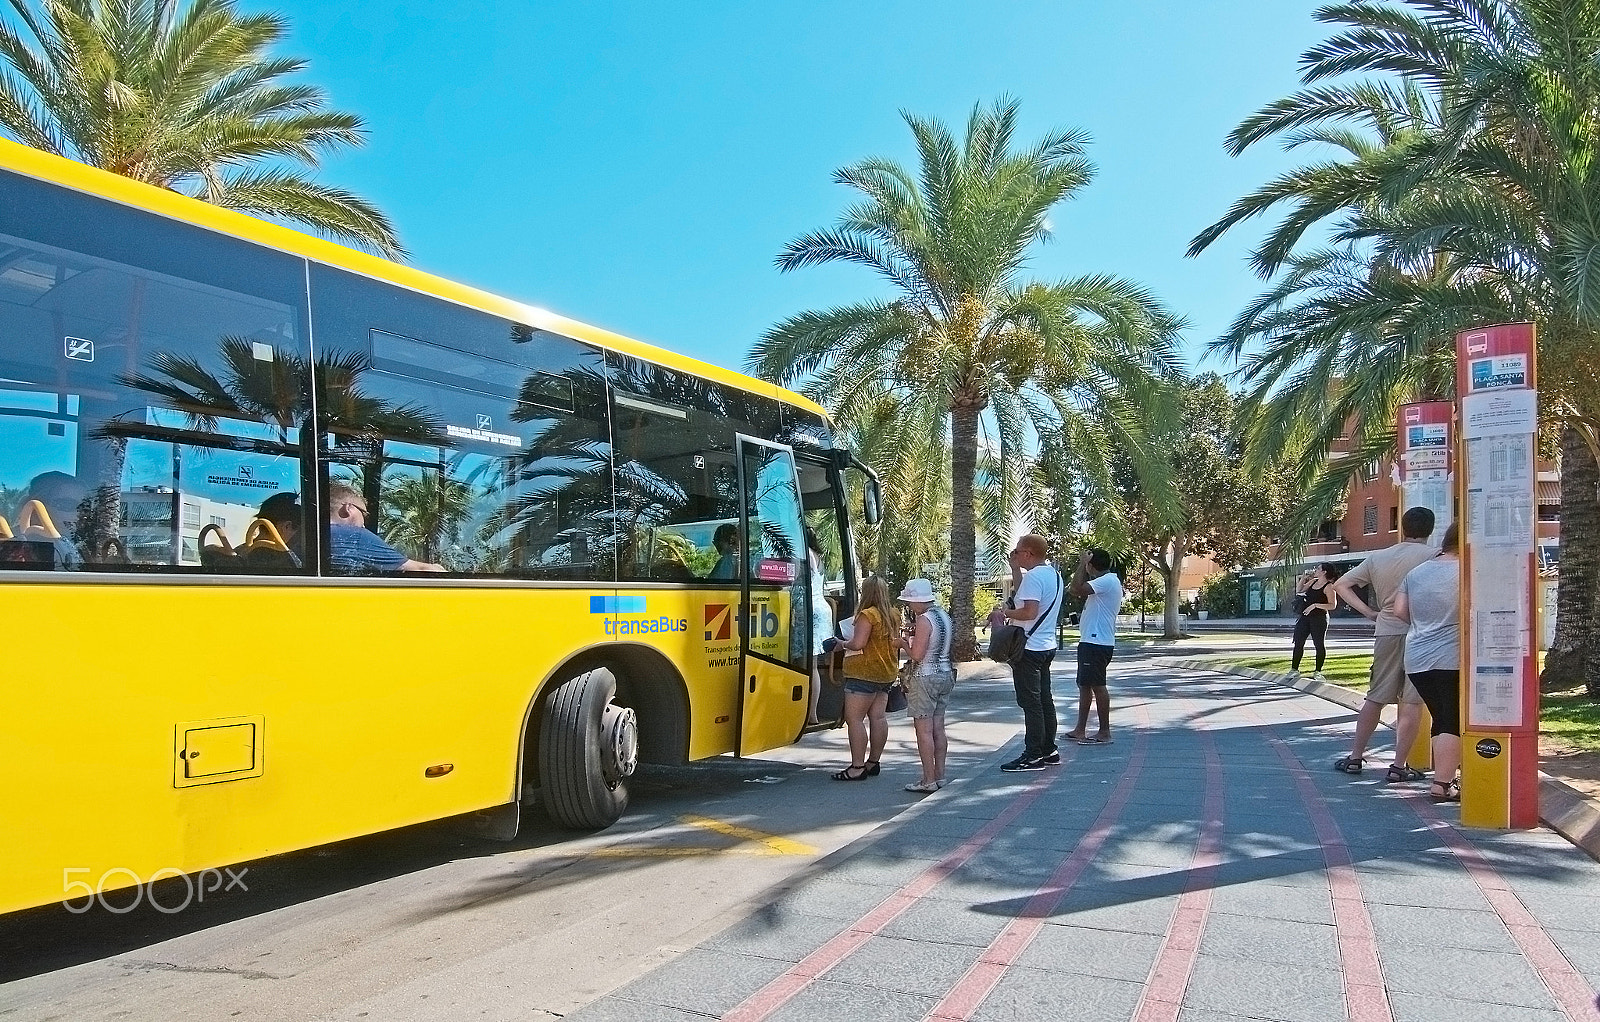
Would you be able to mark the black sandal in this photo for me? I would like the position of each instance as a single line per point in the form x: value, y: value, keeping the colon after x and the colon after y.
x: 1444, y: 791
x: 873, y: 767
x: 1403, y: 773
x: 1348, y: 765
x: 846, y: 775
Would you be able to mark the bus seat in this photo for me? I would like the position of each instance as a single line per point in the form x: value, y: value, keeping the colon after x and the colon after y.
x: 34, y: 522
x: 35, y: 543
x: 263, y: 533
x: 5, y: 529
x: 265, y: 551
x: 218, y: 556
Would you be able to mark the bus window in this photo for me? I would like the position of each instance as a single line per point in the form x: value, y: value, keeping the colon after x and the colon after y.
x: 777, y: 556
x: 481, y: 445
x: 150, y: 388
x: 822, y: 515
x: 677, y: 475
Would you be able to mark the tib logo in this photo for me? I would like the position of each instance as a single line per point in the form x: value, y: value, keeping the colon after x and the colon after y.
x: 720, y: 618
x: 719, y: 621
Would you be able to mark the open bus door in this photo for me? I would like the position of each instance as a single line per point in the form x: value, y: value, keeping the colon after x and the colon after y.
x: 775, y: 628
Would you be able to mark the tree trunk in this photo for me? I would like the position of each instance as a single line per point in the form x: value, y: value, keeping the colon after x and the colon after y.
x: 104, y: 519
x: 963, y: 530
x: 1171, y: 574
x: 1569, y: 660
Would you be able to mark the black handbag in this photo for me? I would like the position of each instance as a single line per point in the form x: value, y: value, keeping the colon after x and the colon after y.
x: 897, y: 698
x: 1007, y: 642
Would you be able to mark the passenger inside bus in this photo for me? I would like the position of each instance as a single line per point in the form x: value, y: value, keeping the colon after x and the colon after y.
x: 726, y: 540
x: 284, y: 512
x: 263, y: 551
x: 353, y: 549
x: 61, y: 496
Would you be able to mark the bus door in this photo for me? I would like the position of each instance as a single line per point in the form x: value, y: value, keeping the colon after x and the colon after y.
x: 775, y: 627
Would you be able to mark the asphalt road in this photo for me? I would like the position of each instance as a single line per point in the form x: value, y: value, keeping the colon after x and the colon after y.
x: 428, y: 923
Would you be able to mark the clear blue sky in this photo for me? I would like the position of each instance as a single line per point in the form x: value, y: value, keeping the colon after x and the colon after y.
x: 638, y: 165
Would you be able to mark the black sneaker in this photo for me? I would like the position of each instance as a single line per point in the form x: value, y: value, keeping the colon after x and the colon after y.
x: 1023, y: 763
x: 1052, y: 759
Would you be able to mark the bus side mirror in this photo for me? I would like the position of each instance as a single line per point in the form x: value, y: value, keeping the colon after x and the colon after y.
x: 872, y: 509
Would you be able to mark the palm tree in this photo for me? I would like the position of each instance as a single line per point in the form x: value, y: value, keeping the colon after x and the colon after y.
x: 189, y: 101
x: 1344, y: 334
x: 911, y: 457
x: 423, y: 514
x: 966, y: 336
x: 1484, y: 214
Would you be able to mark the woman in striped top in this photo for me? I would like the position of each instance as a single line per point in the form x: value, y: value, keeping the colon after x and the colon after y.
x: 932, y: 679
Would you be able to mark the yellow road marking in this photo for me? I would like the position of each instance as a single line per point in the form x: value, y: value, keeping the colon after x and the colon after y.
x: 635, y: 852
x: 779, y: 845
x: 757, y: 843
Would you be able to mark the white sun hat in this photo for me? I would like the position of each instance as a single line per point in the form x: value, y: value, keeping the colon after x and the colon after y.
x: 918, y: 590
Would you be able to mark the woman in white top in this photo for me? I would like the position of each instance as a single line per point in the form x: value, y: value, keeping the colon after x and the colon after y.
x: 1427, y: 602
x: 931, y: 681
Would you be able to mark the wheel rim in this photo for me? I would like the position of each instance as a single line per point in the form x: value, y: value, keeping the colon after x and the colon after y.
x: 619, y: 743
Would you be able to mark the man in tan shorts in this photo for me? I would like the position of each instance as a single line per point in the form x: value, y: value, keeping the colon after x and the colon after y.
x: 1382, y: 573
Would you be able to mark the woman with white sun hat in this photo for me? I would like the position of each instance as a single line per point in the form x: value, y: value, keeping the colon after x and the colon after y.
x: 932, y: 677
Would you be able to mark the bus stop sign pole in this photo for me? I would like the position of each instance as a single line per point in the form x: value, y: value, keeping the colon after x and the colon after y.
x: 1425, y: 437
x: 1498, y: 416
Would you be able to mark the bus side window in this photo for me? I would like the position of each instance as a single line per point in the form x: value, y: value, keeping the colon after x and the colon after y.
x: 479, y: 444
x: 677, y: 473
x: 154, y: 378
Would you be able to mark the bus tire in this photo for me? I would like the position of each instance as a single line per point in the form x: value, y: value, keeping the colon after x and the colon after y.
x: 588, y: 747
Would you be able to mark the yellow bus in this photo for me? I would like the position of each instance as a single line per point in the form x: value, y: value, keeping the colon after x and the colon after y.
x: 297, y: 544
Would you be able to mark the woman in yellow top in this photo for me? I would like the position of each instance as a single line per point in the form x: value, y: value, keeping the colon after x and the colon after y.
x: 867, y: 677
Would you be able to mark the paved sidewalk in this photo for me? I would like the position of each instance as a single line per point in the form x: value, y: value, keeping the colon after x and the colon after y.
x: 1208, y: 866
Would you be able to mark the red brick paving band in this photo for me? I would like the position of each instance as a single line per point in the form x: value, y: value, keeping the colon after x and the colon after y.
x: 1571, y: 991
x: 969, y: 992
x: 781, y: 990
x: 1365, y: 997
x: 1169, y: 976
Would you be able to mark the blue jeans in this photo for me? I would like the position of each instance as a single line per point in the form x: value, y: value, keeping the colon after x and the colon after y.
x: 1030, y: 675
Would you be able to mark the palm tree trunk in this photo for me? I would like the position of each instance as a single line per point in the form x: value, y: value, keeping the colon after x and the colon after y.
x: 963, y: 530
x: 1568, y: 662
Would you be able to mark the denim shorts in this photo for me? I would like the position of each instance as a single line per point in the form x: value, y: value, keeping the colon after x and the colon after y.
x: 866, y: 688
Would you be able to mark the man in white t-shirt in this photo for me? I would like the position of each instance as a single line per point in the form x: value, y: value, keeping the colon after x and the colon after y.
x: 1102, y: 592
x: 1035, y: 605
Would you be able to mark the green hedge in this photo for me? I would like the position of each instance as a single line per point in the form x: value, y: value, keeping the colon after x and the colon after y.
x: 1223, y: 596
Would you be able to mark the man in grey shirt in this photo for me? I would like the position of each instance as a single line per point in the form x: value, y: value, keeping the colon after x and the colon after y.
x: 1382, y: 573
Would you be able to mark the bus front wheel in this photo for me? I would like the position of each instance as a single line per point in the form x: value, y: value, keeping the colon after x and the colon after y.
x: 588, y: 747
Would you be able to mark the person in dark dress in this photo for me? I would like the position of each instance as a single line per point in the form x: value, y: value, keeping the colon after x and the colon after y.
x: 1313, y: 599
